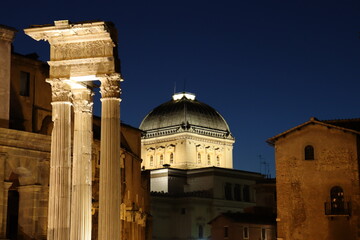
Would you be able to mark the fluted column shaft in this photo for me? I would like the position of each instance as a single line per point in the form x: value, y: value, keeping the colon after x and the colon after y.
x: 60, y: 163
x: 81, y: 168
x: 110, y: 180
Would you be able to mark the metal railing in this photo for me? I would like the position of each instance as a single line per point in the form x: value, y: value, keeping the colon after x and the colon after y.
x: 337, y: 209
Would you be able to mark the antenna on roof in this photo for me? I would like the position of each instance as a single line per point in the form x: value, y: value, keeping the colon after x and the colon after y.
x: 264, y: 167
x: 174, y: 87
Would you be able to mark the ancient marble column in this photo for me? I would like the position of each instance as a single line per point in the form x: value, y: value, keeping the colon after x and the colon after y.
x: 81, y: 171
x: 110, y: 180
x: 60, y: 163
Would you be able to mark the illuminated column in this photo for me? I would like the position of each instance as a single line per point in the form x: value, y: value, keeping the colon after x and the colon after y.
x: 60, y: 163
x: 81, y: 171
x: 110, y: 181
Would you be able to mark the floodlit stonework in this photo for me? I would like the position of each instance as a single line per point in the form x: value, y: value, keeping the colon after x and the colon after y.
x: 187, y: 145
x: 67, y: 186
x: 185, y: 133
x: 81, y: 53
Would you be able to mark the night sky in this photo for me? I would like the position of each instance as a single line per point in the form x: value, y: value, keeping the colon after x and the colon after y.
x: 266, y: 66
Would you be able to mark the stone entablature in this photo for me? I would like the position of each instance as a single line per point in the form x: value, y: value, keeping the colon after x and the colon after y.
x: 82, y: 49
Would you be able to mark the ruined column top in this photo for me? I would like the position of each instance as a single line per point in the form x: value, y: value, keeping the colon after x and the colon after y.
x: 63, y: 31
x: 7, y: 33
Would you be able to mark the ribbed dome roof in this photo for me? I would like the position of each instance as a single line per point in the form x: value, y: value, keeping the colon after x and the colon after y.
x: 182, y: 110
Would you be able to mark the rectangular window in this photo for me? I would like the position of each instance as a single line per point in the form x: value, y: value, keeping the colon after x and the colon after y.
x: 246, y: 232
x: 246, y: 193
x: 237, y: 192
x: 228, y: 191
x: 24, y: 84
x: 226, y: 232
x: 263, y: 234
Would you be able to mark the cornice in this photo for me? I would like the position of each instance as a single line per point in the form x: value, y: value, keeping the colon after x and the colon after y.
x: 189, y: 129
x: 187, y: 136
x: 65, y: 32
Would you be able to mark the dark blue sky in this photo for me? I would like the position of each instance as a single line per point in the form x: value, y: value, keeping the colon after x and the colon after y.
x: 266, y: 66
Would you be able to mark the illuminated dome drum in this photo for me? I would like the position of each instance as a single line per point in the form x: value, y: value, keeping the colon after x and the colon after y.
x: 185, y: 133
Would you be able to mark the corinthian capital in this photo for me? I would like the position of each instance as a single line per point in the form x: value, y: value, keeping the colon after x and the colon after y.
x: 60, y: 90
x: 82, y: 100
x: 7, y: 33
x: 110, y: 85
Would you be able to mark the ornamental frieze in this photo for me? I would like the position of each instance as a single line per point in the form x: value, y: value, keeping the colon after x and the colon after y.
x: 76, y: 50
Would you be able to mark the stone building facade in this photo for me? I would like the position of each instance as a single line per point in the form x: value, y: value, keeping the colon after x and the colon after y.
x: 187, y: 145
x: 25, y: 153
x: 317, y: 169
x: 243, y: 226
x: 186, y: 133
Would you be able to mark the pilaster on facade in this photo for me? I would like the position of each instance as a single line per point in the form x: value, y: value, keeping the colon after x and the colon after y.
x: 4, y: 191
x: 7, y: 35
x: 29, y: 197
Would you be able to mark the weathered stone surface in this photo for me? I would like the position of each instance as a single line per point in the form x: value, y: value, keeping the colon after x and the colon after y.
x: 303, y: 186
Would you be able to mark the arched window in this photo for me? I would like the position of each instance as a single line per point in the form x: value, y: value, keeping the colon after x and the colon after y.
x: 209, y: 159
x: 337, y: 200
x: 217, y: 161
x: 151, y: 160
x: 161, y: 159
x: 309, y: 152
x: 171, y: 158
x: 199, y: 158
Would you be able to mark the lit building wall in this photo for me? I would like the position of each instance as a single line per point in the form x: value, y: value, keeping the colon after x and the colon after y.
x: 306, y: 206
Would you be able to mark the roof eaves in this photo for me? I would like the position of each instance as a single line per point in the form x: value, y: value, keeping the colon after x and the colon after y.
x: 312, y: 120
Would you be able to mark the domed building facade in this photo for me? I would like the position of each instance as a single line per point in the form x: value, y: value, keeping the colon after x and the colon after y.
x: 187, y: 147
x: 185, y: 133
